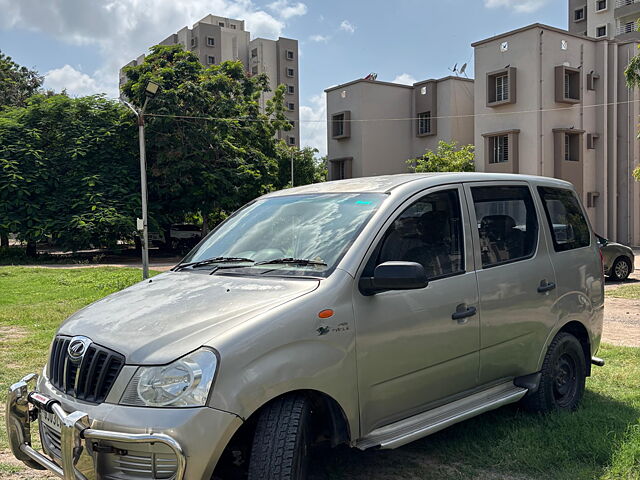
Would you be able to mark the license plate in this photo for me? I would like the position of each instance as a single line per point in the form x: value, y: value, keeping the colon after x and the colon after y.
x: 50, y: 419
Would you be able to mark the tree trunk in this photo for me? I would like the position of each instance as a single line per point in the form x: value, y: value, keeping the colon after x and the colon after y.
x: 4, y: 240
x: 205, y: 225
x: 32, y: 251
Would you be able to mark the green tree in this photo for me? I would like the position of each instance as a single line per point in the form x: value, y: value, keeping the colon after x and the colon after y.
x: 447, y: 158
x: 306, y: 167
x: 17, y: 83
x: 632, y: 74
x: 213, y: 165
x: 68, y: 171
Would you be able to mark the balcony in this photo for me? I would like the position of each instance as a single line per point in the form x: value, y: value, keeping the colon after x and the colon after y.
x: 628, y: 27
x: 626, y: 7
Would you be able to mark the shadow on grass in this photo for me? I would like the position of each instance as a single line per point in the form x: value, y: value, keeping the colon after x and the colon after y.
x: 508, y: 443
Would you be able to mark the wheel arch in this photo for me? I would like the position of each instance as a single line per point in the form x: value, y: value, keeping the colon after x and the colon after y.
x: 578, y: 330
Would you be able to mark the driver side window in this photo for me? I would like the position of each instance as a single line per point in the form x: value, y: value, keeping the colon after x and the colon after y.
x: 428, y: 232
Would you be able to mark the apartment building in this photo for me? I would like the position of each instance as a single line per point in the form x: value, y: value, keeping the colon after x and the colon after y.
x: 217, y: 39
x: 374, y: 127
x: 577, y: 120
x: 605, y: 18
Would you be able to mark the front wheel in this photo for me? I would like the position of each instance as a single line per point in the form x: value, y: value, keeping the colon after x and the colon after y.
x: 563, y: 377
x: 281, y: 441
x: 621, y: 268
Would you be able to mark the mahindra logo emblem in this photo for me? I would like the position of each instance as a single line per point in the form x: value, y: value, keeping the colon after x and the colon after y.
x: 77, y: 348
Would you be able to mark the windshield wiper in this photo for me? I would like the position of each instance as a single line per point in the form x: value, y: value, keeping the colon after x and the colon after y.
x: 293, y: 261
x: 210, y: 261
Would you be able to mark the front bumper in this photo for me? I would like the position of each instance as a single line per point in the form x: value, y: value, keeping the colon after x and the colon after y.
x: 113, y: 442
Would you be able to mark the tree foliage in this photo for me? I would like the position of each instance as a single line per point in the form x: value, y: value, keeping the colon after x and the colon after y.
x: 17, y: 83
x: 306, y: 167
x: 68, y: 171
x: 632, y: 74
x: 197, y: 165
x: 447, y: 158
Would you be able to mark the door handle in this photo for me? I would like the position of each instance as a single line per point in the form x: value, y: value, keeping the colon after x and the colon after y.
x: 462, y: 311
x: 546, y: 286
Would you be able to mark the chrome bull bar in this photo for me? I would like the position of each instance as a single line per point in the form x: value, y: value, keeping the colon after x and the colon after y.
x: 75, y: 434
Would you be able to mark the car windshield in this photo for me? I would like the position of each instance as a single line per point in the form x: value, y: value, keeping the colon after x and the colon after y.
x: 289, y: 235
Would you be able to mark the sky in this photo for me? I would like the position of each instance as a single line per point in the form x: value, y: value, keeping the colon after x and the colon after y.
x: 81, y: 44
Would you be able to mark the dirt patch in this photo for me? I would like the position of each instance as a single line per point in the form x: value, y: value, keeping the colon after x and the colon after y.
x: 12, y: 333
x: 621, y: 322
x: 12, y: 469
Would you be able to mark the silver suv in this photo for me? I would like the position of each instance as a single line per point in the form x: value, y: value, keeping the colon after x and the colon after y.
x: 370, y: 312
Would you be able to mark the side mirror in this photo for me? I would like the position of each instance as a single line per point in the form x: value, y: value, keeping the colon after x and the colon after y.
x: 394, y: 276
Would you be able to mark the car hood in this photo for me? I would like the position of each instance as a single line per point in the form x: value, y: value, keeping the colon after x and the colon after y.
x: 157, y: 321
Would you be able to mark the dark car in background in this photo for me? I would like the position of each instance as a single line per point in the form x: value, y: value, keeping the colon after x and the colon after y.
x: 617, y: 259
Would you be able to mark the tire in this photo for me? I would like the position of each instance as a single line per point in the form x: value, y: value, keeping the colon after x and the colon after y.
x: 563, y: 377
x: 281, y: 441
x: 621, y: 268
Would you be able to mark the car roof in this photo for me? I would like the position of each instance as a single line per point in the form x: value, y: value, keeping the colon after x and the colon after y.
x: 386, y: 183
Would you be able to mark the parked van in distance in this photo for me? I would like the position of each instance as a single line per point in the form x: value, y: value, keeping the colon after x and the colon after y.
x: 369, y: 312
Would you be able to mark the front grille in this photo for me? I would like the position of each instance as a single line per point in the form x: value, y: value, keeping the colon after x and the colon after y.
x: 89, y: 380
x: 51, y: 439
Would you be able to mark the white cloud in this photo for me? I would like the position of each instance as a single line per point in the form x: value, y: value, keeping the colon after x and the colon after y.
x: 520, y: 6
x: 124, y: 29
x: 405, y: 79
x: 319, y: 38
x: 313, y: 123
x: 75, y: 82
x: 286, y: 10
x: 347, y: 26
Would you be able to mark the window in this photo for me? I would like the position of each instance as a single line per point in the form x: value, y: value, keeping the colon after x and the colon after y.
x: 211, y: 60
x: 568, y: 226
x: 501, y: 87
x: 254, y: 52
x: 221, y: 24
x: 507, y: 224
x: 601, y: 5
x: 290, y: 55
x: 429, y: 232
x: 232, y: 26
x: 292, y: 140
x: 194, y: 41
x: 291, y: 89
x: 572, y: 148
x: 423, y: 90
x: 568, y: 84
x: 499, y: 149
x: 291, y: 106
x: 211, y: 41
x: 254, y: 70
x: 601, y: 31
x: 290, y: 72
x: 293, y: 123
x: 578, y: 14
x: 340, y: 168
x: 592, y: 140
x: 424, y: 123
x: 341, y: 125
x: 628, y: 27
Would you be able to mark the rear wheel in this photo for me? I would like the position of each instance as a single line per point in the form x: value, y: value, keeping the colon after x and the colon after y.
x: 281, y: 441
x: 563, y: 377
x: 621, y: 268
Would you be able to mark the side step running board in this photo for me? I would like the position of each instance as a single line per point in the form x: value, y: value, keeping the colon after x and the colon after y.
x: 426, y: 423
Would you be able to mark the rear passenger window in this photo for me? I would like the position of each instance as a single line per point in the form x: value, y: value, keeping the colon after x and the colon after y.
x: 507, y: 224
x: 569, y: 228
x: 429, y: 232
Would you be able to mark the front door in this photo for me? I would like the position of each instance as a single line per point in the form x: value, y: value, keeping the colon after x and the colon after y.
x: 411, y: 352
x: 516, y: 279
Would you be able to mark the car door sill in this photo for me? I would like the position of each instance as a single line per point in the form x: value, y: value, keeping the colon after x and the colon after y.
x: 431, y: 421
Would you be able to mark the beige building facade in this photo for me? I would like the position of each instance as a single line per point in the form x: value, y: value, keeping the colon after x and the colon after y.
x: 577, y: 120
x: 217, y: 39
x: 374, y: 127
x: 605, y: 18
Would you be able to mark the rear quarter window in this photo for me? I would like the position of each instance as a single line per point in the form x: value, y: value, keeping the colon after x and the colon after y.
x: 569, y: 228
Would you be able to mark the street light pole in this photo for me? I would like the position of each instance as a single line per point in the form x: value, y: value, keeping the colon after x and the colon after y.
x: 292, y: 167
x: 151, y: 90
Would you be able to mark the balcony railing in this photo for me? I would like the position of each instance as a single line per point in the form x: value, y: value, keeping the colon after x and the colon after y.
x: 627, y: 27
x: 622, y: 3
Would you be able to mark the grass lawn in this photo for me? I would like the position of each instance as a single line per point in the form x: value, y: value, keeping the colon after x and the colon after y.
x: 600, y: 441
x: 629, y: 291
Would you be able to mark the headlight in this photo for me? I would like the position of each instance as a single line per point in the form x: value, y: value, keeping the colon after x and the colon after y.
x: 183, y: 383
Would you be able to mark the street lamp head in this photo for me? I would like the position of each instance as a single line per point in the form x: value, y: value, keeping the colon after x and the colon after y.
x: 152, y: 89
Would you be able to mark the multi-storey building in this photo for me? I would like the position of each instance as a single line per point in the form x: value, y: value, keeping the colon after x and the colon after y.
x: 605, y: 18
x: 375, y: 127
x: 577, y: 120
x: 217, y: 39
